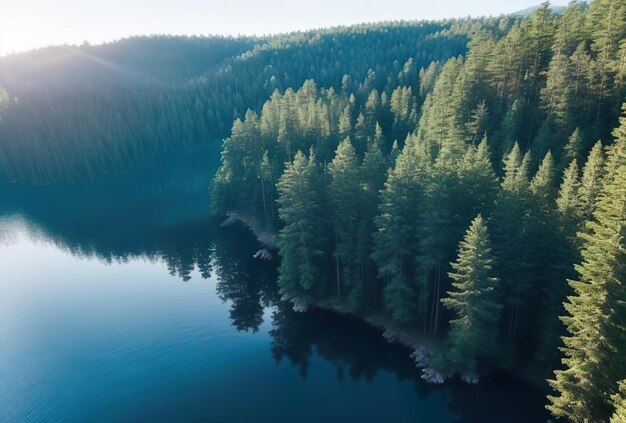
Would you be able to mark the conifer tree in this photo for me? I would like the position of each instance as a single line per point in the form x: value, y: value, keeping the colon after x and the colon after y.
x: 568, y: 201
x: 403, y: 108
x: 596, y: 342
x: 561, y: 91
x: 301, y: 240
x: 619, y: 400
x: 505, y: 136
x: 427, y: 78
x: 544, y: 141
x: 395, y: 241
x: 477, y: 126
x: 606, y: 21
x: 440, y: 119
x: 346, y: 199
x: 475, y: 302
x: 573, y: 149
x: 373, y: 172
x: 267, y: 189
x: 591, y: 181
x: 345, y: 122
x: 394, y: 153
x: 511, y: 235
x: 549, y: 259
x: 478, y: 186
x: 361, y: 133
x: 435, y: 232
x: 543, y: 183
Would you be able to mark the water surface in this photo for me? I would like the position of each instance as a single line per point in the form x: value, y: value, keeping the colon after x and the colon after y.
x: 121, y: 300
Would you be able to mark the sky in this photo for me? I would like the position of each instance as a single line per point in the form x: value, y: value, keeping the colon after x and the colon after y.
x: 27, y: 24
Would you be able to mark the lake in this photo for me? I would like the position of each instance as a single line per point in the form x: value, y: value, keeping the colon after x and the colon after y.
x: 122, y: 300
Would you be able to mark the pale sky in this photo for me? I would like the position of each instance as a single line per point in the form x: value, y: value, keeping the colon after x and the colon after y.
x: 27, y: 24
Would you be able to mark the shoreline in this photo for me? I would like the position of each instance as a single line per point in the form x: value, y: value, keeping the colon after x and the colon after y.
x: 405, y: 335
x: 265, y: 237
x: 422, y: 346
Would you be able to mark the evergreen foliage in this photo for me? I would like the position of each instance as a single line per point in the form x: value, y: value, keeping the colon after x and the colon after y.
x: 474, y: 301
x: 302, y: 241
x: 596, y: 314
x: 513, y: 130
x: 619, y: 416
x: 370, y: 150
x: 80, y: 112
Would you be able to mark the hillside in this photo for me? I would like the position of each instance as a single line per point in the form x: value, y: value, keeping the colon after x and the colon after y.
x: 80, y: 112
x: 131, y: 61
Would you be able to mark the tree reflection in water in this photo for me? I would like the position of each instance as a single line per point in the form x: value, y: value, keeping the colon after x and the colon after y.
x: 199, y: 247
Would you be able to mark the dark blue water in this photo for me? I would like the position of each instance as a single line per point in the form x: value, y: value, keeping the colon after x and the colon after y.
x: 121, y: 300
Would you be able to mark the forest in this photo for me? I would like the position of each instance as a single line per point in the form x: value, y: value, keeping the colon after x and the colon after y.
x: 466, y: 178
x: 74, y: 113
x: 479, y: 199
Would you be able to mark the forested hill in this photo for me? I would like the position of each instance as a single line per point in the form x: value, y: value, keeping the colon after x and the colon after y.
x: 138, y: 60
x: 480, y: 201
x: 77, y: 113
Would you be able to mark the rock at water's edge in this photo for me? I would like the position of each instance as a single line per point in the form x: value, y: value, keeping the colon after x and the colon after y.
x: 422, y: 357
x: 433, y: 376
x: 471, y: 378
x: 263, y: 254
x: 390, y: 335
x: 300, y: 305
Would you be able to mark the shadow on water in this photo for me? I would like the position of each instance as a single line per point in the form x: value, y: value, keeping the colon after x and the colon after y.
x: 162, y: 213
x: 358, y: 352
x: 158, y: 213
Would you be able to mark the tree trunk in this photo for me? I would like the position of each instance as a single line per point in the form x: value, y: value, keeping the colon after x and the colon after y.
x: 432, y: 307
x: 436, y: 323
x: 264, y: 202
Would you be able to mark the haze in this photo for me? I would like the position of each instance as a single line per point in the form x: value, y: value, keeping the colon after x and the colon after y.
x: 28, y: 24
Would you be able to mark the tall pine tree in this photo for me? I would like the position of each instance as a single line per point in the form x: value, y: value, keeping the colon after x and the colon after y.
x: 596, y: 343
x: 475, y: 301
x: 301, y: 240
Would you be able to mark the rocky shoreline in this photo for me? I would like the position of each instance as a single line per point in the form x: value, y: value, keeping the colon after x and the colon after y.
x: 423, y: 348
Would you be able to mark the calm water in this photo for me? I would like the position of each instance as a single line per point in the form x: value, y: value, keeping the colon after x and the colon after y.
x: 120, y: 300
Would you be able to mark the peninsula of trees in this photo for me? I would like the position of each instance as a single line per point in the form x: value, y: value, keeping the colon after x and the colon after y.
x: 480, y: 198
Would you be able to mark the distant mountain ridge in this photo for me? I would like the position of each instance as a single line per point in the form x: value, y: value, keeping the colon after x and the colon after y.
x: 529, y: 10
x: 136, y: 60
